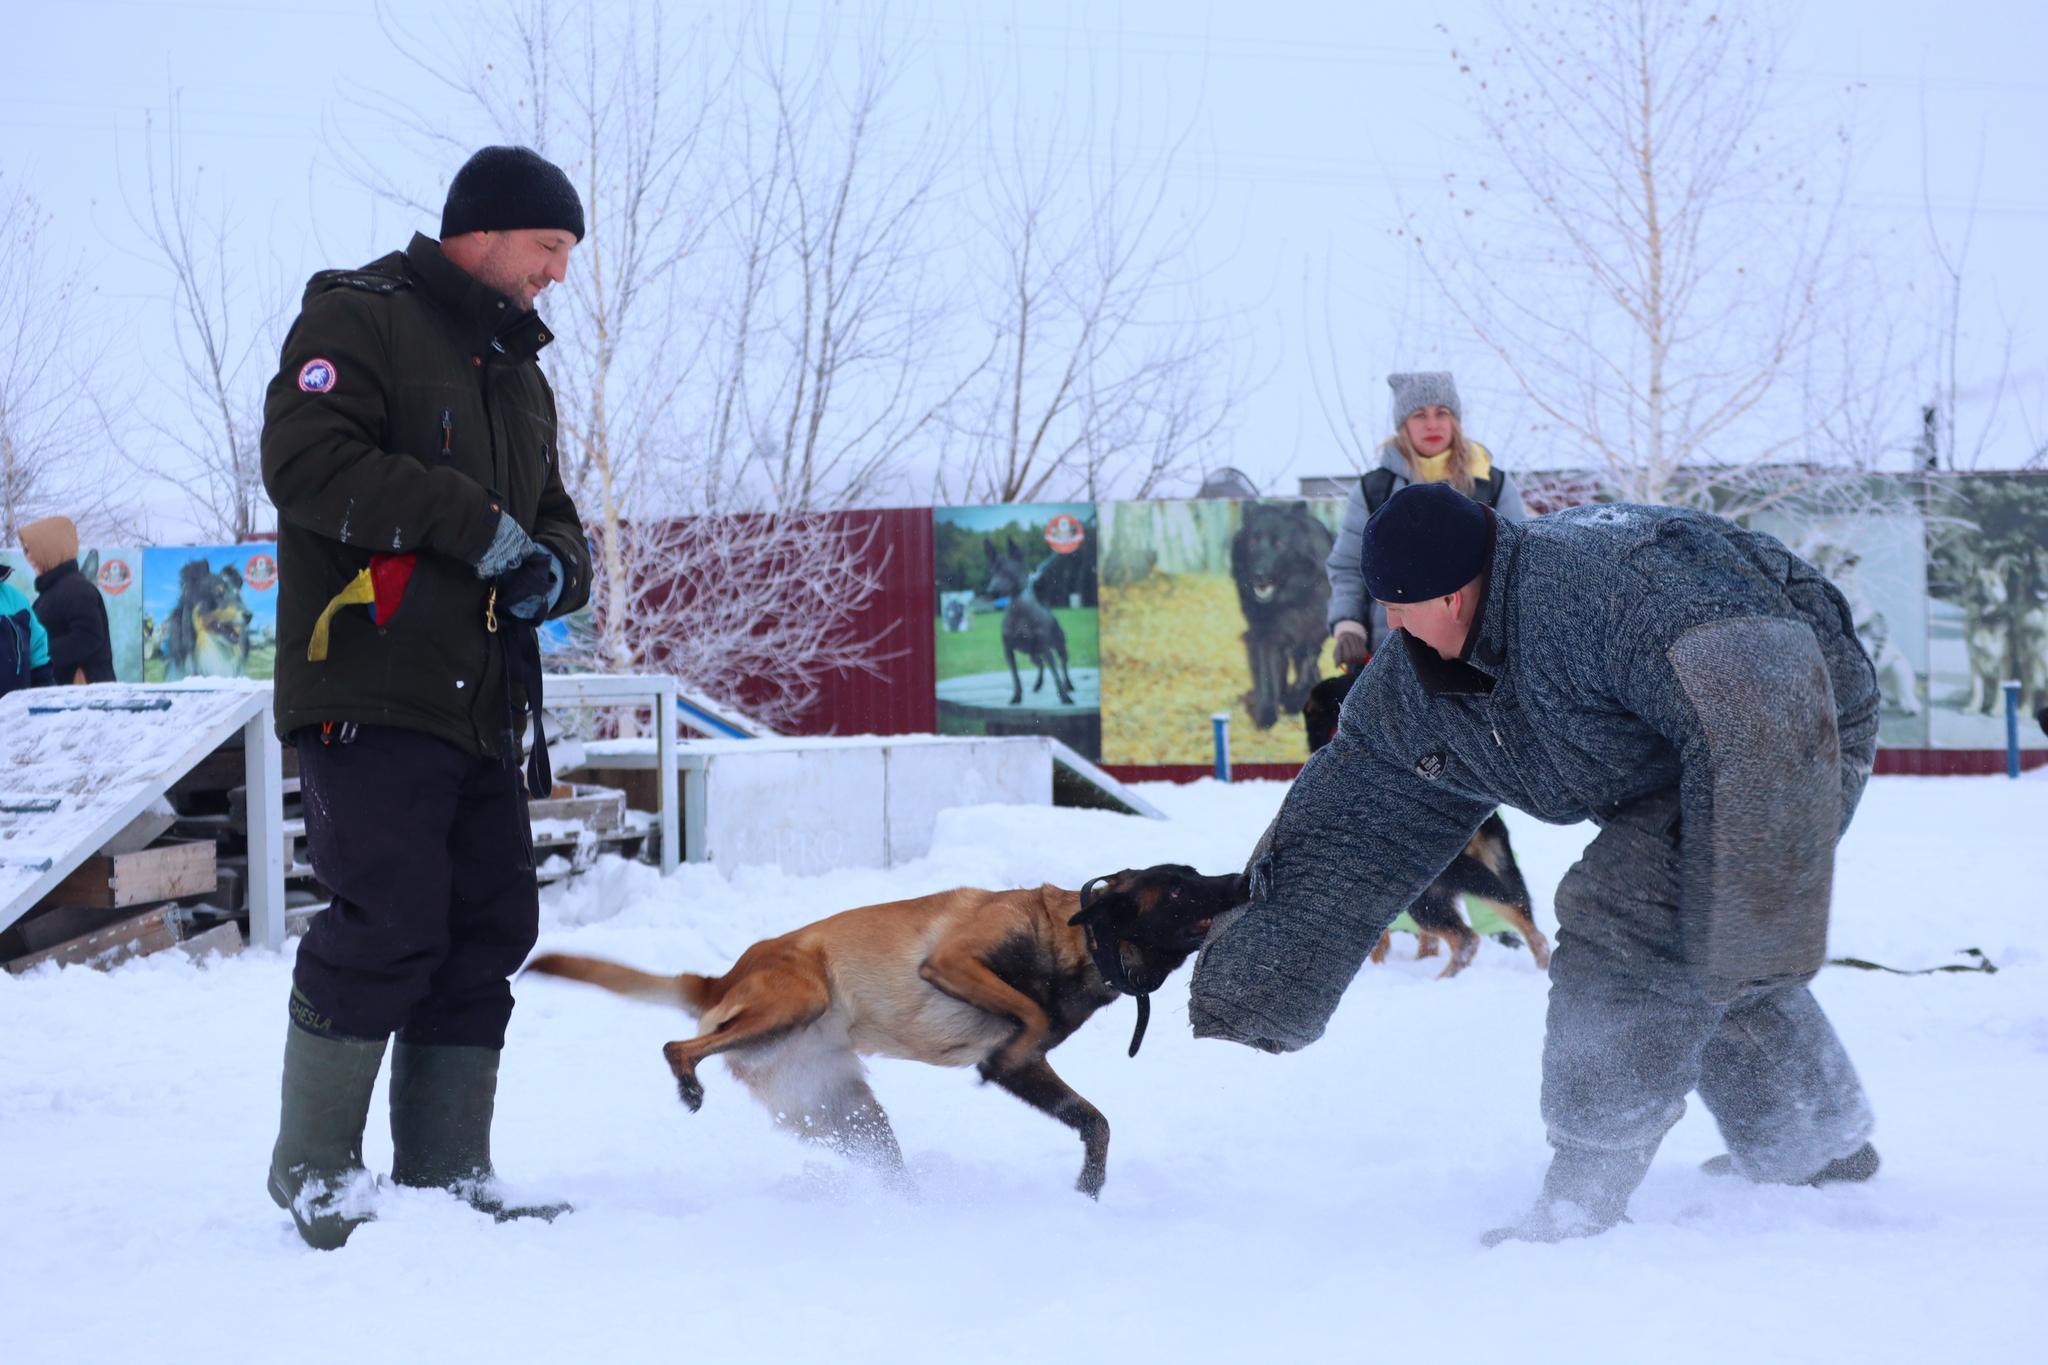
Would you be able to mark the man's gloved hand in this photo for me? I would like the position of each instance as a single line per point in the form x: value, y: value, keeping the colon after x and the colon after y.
x: 1354, y: 646
x: 510, y: 545
x: 531, y: 590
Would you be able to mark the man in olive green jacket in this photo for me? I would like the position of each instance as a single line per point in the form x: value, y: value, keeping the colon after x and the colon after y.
x: 409, y: 443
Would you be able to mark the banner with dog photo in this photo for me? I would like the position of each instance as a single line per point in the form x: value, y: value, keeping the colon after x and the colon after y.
x: 1869, y: 537
x: 1213, y: 606
x: 1016, y: 644
x: 209, y: 611
x: 116, y: 570
x: 1987, y: 571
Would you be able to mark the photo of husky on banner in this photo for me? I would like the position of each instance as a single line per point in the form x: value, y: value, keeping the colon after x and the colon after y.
x: 1016, y: 628
x: 1987, y: 585
x: 1210, y: 606
x: 1869, y: 538
x: 209, y: 612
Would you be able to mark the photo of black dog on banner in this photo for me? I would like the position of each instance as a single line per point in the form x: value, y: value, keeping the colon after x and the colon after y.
x: 1277, y: 559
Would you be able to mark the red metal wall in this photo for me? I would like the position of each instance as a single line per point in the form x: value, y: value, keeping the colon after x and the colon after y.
x: 903, y: 699
x: 1954, y: 762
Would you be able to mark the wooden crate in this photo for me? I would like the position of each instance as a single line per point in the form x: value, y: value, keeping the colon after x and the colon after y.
x: 601, y: 809
x: 225, y: 768
x: 163, y: 871
x: 152, y: 931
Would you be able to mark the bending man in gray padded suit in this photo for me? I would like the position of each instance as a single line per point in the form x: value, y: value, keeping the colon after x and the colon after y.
x: 1695, y: 689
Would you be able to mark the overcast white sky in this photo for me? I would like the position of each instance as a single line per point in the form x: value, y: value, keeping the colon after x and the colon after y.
x: 1316, y: 117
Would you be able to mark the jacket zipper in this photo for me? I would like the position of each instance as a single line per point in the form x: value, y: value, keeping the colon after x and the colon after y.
x: 483, y: 379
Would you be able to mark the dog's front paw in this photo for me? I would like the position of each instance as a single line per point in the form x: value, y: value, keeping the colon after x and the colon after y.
x: 1091, y: 1180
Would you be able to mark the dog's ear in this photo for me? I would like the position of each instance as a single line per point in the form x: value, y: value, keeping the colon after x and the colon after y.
x: 1099, y: 896
x: 232, y: 575
x: 194, y: 572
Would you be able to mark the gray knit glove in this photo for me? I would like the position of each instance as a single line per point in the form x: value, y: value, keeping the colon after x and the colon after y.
x: 531, y: 590
x: 509, y: 547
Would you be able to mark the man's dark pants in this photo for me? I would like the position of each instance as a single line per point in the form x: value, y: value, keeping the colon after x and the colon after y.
x: 429, y: 855
x: 1630, y: 1033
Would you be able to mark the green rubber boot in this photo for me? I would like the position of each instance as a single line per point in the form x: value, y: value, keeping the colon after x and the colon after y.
x: 316, y: 1168
x: 442, y: 1100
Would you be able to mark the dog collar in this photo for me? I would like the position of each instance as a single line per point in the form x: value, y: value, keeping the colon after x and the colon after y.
x: 1109, y: 961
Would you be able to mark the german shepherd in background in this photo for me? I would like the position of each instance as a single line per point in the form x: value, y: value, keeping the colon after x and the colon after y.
x: 1485, y: 869
x: 990, y: 979
x: 1277, y: 559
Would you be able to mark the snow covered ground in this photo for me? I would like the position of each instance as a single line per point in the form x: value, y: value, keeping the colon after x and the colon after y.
x: 1325, y: 1205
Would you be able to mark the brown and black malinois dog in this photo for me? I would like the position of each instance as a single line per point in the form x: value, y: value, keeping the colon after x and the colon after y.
x: 1485, y: 869
x: 991, y: 979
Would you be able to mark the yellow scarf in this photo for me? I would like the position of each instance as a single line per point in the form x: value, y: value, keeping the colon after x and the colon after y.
x: 1437, y: 468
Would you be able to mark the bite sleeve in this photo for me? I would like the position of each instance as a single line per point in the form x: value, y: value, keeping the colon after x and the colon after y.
x: 1357, y: 840
x: 1749, y: 705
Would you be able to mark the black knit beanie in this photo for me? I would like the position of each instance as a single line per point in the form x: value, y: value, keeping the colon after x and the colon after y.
x: 502, y: 188
x: 1428, y: 540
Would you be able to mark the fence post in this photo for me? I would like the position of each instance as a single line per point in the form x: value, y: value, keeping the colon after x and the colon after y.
x: 2012, y: 729
x: 262, y: 775
x: 1219, y: 721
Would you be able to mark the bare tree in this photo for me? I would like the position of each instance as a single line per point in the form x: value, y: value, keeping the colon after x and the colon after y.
x: 1651, y: 261
x: 649, y: 366
x: 226, y: 339
x: 619, y: 101
x: 52, y: 432
x: 1103, y: 373
x: 1944, y: 442
x: 754, y: 608
x: 832, y: 359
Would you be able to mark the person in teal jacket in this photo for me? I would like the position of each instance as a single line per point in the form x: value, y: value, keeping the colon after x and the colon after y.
x: 24, y: 645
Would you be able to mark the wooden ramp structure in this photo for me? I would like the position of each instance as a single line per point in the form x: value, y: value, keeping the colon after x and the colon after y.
x: 79, y: 764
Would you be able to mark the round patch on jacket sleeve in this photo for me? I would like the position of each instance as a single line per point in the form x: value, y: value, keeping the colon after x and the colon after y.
x: 317, y: 376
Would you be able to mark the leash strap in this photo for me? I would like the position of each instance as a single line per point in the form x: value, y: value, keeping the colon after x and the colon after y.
x: 522, y: 664
x: 1110, y: 962
x: 1982, y: 964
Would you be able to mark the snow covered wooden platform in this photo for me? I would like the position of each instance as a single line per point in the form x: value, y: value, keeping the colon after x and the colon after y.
x: 77, y: 764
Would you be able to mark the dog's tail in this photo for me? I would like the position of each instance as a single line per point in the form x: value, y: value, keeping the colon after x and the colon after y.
x: 685, y: 990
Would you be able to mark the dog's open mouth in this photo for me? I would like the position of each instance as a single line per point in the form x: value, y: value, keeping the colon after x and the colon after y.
x: 228, y: 632
x: 1263, y: 592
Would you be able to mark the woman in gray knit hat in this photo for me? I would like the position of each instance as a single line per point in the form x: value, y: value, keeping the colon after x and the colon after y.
x: 1428, y: 446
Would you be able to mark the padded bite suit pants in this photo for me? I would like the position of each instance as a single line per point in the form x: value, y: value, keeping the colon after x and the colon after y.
x: 429, y: 855
x: 1630, y: 1033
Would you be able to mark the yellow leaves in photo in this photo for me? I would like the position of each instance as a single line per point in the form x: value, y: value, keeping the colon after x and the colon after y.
x: 1172, y: 653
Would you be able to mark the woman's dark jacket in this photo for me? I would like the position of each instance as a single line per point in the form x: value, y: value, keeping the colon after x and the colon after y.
x: 75, y: 617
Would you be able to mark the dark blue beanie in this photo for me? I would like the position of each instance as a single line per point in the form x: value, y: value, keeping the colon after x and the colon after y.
x: 1428, y: 540
x: 503, y: 188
